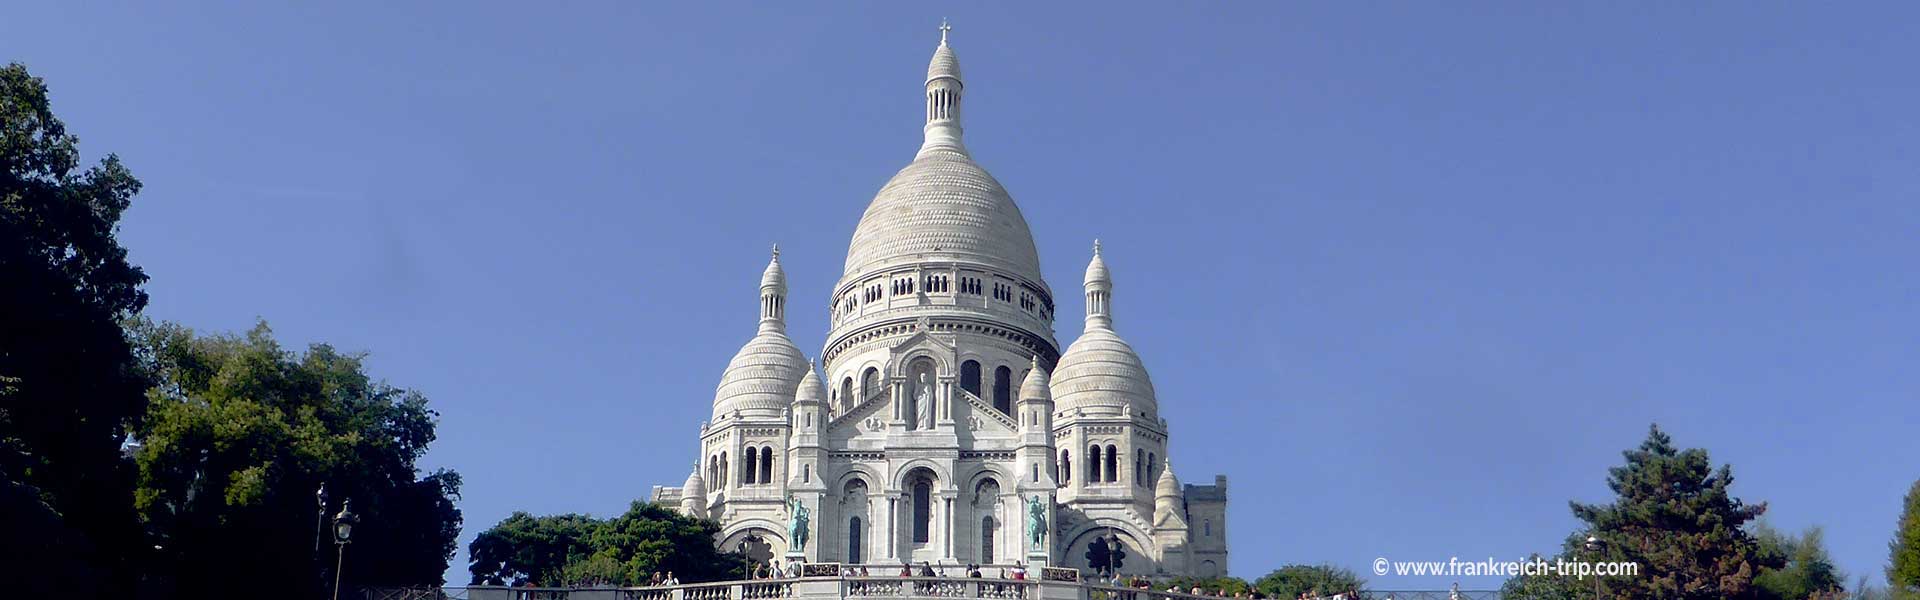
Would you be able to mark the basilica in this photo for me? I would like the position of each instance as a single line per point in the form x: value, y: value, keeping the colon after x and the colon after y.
x: 942, y: 422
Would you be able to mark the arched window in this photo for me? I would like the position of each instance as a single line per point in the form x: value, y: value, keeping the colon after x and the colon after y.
x: 723, y: 480
x: 1139, y: 466
x: 869, y: 384
x: 846, y: 394
x: 1153, y: 468
x: 753, y: 462
x: 922, y: 510
x: 1209, y: 527
x: 970, y: 376
x: 1066, y: 466
x: 713, y: 471
x: 1113, y: 464
x: 806, y: 473
x: 766, y: 464
x: 854, y: 532
x: 1093, y: 463
x: 1002, y: 392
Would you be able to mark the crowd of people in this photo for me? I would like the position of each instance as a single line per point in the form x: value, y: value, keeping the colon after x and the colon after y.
x: 778, y: 569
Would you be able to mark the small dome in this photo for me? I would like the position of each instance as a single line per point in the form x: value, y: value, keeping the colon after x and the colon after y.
x: 1097, y: 269
x: 774, y: 276
x: 1168, y: 486
x: 1101, y: 375
x: 1167, y: 501
x: 696, y: 486
x: 811, y: 389
x: 944, y: 64
x: 1035, y: 387
x: 761, y: 380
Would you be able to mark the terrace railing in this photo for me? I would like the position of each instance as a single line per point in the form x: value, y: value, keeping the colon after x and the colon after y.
x: 826, y: 582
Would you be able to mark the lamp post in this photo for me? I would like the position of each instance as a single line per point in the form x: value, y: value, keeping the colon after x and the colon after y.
x: 319, y: 518
x: 1595, y: 545
x: 342, y: 535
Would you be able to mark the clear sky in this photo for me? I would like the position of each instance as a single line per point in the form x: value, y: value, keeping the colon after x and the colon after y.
x: 1411, y: 274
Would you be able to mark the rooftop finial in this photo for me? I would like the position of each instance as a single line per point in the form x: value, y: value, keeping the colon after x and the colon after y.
x: 1096, y: 247
x: 776, y: 251
x: 944, y: 28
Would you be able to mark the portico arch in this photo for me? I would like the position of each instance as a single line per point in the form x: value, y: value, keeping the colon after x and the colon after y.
x: 754, y: 537
x: 1142, y: 556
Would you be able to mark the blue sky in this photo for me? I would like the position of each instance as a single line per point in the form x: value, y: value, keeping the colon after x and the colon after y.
x: 1412, y: 274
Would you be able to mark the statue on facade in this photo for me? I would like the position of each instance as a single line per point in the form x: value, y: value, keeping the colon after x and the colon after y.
x: 923, y: 401
x: 1036, y: 522
x: 797, y: 523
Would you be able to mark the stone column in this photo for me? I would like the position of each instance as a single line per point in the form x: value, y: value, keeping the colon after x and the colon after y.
x: 893, y: 523
x: 946, y: 502
x: 947, y: 397
x: 896, y: 389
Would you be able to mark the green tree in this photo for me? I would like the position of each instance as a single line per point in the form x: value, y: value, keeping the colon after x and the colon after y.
x: 69, y: 386
x: 1226, y: 585
x: 239, y: 433
x: 1903, y: 562
x: 524, y: 548
x: 1806, y: 569
x: 1675, y: 516
x: 1290, y: 580
x: 625, y: 550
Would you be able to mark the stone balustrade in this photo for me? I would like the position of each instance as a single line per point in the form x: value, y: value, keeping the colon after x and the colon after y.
x: 822, y: 582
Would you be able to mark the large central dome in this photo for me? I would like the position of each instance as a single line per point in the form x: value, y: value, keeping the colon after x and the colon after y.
x: 943, y: 207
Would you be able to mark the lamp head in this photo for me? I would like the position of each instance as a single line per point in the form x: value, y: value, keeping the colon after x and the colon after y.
x: 343, y: 523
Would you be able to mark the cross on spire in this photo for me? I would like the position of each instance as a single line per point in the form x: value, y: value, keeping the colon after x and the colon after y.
x: 776, y: 251
x: 944, y: 28
x: 1096, y: 247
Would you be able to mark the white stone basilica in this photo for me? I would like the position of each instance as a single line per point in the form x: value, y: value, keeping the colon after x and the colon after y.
x: 945, y: 407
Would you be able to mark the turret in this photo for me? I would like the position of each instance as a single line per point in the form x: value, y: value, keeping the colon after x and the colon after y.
x: 1035, y: 412
x: 809, y: 410
x: 773, y: 295
x: 693, y: 495
x: 943, y: 97
x: 1168, y: 512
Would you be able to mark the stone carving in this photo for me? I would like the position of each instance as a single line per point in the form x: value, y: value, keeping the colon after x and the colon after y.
x: 924, y: 402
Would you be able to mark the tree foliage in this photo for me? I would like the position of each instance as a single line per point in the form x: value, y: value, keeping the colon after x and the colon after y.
x: 1903, y: 561
x: 1227, y: 585
x: 1673, y: 515
x: 1319, y: 580
x: 1807, y: 571
x: 240, y: 433
x: 69, y: 389
x: 572, y: 549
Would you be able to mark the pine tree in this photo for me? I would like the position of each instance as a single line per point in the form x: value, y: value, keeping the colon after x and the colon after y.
x: 1675, y: 517
x: 1903, y: 562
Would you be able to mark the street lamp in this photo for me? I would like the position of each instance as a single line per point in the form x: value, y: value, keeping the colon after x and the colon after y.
x: 320, y: 518
x: 1595, y: 545
x: 342, y: 535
